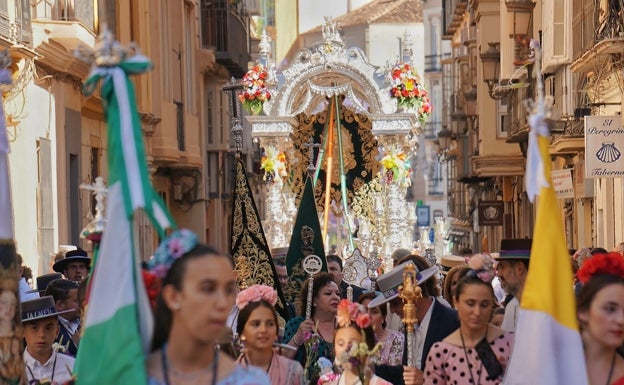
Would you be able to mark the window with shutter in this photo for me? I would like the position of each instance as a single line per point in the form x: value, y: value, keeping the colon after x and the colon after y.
x: 557, y: 19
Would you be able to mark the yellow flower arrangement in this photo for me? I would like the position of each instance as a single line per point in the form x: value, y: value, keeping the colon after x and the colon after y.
x: 397, y: 168
x: 274, y: 165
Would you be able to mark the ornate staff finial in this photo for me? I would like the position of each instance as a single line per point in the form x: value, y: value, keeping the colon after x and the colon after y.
x: 93, y: 231
x: 410, y: 292
x: 311, y: 146
x: 233, y: 88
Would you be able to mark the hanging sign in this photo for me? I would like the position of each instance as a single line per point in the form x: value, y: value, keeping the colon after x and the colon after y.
x: 491, y: 213
x: 604, y: 147
x: 562, y: 183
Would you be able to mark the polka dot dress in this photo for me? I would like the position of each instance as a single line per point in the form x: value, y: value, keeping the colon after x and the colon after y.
x: 446, y: 363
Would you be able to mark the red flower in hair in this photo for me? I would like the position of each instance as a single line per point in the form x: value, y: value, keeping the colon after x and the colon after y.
x: 601, y: 264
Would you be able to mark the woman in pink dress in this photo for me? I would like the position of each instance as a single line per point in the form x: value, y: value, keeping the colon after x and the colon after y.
x: 477, y: 352
x: 391, y: 352
x: 600, y: 311
x: 257, y: 328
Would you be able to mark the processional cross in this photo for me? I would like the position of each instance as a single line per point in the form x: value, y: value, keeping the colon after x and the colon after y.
x: 311, y: 146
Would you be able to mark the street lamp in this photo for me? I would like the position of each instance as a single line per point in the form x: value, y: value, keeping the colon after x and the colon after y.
x: 519, y: 14
x: 491, y: 66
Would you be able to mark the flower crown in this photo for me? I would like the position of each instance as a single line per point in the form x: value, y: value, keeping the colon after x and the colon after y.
x: 256, y: 293
x: 352, y: 312
x: 482, y: 267
x: 171, y: 248
x: 601, y: 264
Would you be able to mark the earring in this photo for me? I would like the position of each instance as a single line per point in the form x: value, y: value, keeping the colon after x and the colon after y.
x: 175, y: 306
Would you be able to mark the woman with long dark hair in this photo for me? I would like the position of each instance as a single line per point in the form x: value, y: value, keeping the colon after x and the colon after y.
x: 313, y: 338
x: 198, y: 292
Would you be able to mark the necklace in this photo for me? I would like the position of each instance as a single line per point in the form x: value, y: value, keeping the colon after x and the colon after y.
x: 250, y: 364
x: 214, y: 366
x: 611, y: 369
x: 54, y: 369
x: 468, y: 361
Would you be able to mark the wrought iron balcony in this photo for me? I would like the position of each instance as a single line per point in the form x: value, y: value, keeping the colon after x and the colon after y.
x: 225, y: 30
x: 81, y: 11
x: 595, y: 33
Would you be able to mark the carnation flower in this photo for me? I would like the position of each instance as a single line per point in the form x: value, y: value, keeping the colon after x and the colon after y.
x: 482, y: 266
x: 256, y: 293
x: 601, y: 264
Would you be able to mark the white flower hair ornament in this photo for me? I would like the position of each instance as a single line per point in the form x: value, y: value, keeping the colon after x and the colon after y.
x: 482, y: 267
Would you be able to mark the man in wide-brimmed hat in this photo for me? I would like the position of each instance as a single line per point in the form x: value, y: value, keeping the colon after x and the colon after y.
x: 435, y: 320
x: 75, y: 265
x: 512, y: 270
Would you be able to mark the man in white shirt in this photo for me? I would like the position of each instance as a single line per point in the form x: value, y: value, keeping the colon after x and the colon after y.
x: 39, y: 317
x: 512, y: 270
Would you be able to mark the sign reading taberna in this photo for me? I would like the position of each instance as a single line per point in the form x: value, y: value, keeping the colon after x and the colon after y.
x: 604, y: 147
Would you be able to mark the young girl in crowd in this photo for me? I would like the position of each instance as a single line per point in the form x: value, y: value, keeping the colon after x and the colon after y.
x: 477, y: 352
x: 391, y: 352
x: 198, y: 292
x: 354, y: 345
x: 600, y: 310
x: 257, y: 328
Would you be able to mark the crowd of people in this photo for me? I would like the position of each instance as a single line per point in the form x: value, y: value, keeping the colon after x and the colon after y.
x: 209, y: 331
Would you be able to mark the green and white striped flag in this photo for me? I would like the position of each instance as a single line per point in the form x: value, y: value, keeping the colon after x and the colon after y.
x: 118, y: 322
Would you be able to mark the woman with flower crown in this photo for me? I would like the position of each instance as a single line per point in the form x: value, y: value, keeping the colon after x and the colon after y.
x: 257, y: 328
x: 478, y: 351
x: 198, y: 292
x: 600, y: 311
x: 354, y: 346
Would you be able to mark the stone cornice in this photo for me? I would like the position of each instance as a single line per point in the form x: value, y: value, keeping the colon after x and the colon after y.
x: 498, y: 165
x: 44, y: 69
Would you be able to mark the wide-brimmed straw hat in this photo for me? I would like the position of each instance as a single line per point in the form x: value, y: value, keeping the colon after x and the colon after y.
x: 447, y: 262
x: 389, y: 283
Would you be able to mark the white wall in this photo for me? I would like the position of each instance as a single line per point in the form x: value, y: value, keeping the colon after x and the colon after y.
x: 24, y: 169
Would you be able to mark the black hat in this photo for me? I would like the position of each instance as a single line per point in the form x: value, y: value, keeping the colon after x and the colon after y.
x: 44, y: 280
x: 516, y: 248
x: 78, y: 255
x: 40, y: 308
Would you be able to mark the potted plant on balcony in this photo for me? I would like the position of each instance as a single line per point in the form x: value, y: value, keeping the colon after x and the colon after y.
x: 409, y: 91
x: 255, y: 91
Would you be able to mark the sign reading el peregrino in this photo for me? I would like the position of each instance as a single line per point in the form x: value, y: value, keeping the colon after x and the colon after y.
x: 604, y: 144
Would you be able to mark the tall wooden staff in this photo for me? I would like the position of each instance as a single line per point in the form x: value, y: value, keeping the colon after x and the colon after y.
x: 410, y: 292
x: 312, y: 264
x: 11, y: 331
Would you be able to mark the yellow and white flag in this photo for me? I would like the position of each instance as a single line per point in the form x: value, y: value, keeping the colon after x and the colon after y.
x: 548, y: 348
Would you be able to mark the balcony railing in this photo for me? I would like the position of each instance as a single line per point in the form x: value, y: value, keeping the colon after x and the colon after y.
x: 66, y: 10
x: 431, y: 130
x: 225, y: 30
x: 591, y: 26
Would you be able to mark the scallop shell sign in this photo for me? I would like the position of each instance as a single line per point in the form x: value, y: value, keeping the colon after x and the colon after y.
x: 604, y: 144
